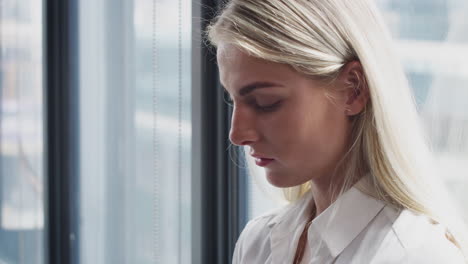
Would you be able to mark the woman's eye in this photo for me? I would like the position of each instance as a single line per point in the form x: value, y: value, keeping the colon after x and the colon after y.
x: 267, y: 108
x: 228, y: 100
x: 258, y: 106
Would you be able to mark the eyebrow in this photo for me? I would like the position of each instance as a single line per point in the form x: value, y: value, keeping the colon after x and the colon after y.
x: 256, y: 85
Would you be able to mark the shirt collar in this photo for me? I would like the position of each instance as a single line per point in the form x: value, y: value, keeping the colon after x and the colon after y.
x: 338, y: 225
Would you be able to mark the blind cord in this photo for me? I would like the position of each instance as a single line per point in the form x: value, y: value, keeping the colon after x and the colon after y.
x: 156, y: 184
x: 179, y: 183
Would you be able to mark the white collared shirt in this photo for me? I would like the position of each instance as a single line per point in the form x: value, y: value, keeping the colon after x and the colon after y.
x: 355, y: 229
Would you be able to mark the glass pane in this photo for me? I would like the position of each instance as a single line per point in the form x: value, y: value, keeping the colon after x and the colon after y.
x: 135, y: 131
x: 432, y: 41
x: 21, y: 132
x: 433, y: 44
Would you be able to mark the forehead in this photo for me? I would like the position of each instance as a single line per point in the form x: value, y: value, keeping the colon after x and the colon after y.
x: 232, y: 58
x: 237, y: 68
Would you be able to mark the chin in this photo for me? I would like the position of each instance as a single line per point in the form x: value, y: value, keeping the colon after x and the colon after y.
x: 285, y: 179
x: 279, y: 181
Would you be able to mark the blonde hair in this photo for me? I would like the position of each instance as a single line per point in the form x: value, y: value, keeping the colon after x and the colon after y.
x: 317, y: 38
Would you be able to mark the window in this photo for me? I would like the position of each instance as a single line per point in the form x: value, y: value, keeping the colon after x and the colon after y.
x: 431, y: 38
x: 135, y: 105
x: 21, y: 133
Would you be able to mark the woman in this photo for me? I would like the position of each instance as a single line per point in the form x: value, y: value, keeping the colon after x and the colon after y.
x: 323, y: 105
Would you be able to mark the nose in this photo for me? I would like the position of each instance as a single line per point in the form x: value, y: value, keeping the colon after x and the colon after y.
x: 243, y: 131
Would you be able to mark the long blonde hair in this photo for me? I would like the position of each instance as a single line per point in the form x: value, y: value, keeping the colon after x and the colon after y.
x: 318, y: 37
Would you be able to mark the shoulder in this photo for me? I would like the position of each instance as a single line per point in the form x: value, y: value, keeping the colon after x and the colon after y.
x: 258, y: 227
x: 421, y: 241
x: 253, y: 240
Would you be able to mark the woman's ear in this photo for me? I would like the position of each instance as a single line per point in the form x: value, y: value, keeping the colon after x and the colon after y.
x: 354, y: 86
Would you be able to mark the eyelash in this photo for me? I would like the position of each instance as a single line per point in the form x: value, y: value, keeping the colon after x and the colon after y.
x: 228, y: 101
x: 266, y: 109
x: 253, y: 103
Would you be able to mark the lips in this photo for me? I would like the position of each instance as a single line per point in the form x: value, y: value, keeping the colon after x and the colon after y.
x: 262, y: 162
x: 261, y: 159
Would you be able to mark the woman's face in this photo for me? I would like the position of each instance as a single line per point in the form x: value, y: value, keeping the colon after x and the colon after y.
x: 284, y: 117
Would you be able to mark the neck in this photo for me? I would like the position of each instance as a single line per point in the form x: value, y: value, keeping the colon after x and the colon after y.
x: 325, y: 191
x: 322, y: 197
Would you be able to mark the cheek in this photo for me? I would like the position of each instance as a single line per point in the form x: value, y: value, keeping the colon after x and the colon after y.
x: 281, y: 129
x: 318, y: 134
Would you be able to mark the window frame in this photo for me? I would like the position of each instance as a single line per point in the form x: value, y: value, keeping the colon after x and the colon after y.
x: 219, y: 191
x: 61, y: 138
